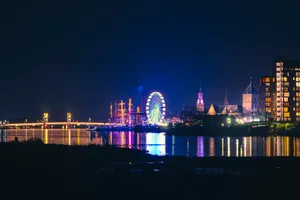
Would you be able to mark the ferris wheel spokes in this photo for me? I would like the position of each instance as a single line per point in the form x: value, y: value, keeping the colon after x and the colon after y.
x: 155, y: 108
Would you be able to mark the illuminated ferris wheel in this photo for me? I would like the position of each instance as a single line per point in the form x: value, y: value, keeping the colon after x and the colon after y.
x: 155, y: 108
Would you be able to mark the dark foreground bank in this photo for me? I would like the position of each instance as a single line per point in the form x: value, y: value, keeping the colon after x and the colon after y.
x: 74, y: 172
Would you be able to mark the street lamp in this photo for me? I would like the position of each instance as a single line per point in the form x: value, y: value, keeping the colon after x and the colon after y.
x: 228, y: 121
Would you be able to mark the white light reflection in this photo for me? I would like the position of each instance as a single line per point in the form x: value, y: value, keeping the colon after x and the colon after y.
x: 156, y: 143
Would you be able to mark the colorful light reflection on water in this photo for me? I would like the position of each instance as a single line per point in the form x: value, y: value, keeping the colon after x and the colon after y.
x: 161, y: 144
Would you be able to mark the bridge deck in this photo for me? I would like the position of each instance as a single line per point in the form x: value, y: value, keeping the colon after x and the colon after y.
x: 61, y: 123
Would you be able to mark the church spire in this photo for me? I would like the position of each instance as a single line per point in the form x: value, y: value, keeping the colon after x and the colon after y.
x: 226, y: 99
x: 200, y: 102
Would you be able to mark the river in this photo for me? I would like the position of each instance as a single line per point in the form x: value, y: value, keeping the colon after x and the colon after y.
x: 161, y: 144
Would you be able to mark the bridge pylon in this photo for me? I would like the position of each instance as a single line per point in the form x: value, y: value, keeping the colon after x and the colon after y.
x: 45, y: 119
x: 69, y: 119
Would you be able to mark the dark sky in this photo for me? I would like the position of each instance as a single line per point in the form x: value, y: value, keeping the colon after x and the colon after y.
x: 60, y: 56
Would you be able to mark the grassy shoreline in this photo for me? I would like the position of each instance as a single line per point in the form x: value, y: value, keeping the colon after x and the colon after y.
x: 32, y: 169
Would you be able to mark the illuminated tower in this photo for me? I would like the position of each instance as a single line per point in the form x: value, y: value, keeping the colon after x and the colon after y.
x: 200, y: 103
x: 129, y: 112
x: 69, y: 117
x: 45, y: 117
x: 250, y: 100
x: 121, y: 112
x: 110, y: 111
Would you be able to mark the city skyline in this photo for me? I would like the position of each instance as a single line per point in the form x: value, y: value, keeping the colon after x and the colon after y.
x: 79, y: 59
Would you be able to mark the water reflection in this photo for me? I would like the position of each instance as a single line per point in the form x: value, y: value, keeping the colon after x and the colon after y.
x: 160, y: 144
x: 156, y: 143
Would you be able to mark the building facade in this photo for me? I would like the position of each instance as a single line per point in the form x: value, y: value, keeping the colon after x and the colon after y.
x: 287, y: 75
x: 200, y: 102
x: 267, y: 96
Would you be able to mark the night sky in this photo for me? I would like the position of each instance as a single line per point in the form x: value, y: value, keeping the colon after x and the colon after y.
x: 71, y: 56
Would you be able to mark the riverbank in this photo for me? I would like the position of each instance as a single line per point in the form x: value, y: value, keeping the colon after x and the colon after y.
x: 96, y: 159
x: 77, y: 172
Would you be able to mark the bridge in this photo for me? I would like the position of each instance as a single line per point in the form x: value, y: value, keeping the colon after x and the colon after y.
x: 66, y: 124
x: 45, y: 123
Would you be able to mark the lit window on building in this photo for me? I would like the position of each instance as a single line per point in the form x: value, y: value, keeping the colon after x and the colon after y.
x: 287, y: 114
x: 298, y: 114
x: 285, y: 99
x: 286, y: 94
x: 285, y: 109
x: 278, y: 105
x: 267, y: 80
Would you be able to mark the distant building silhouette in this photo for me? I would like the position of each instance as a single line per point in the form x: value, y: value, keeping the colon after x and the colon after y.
x: 226, y: 109
x: 226, y: 103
